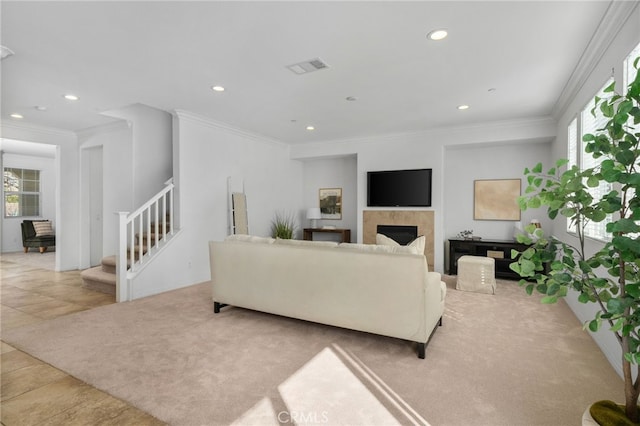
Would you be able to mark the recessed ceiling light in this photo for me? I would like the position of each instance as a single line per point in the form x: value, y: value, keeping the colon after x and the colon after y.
x: 463, y: 107
x: 437, y: 34
x: 310, y: 128
x: 15, y: 115
x: 217, y: 88
x: 40, y: 107
x: 71, y: 97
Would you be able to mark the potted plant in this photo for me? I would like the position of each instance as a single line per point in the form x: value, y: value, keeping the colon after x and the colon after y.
x: 283, y: 225
x: 610, y: 278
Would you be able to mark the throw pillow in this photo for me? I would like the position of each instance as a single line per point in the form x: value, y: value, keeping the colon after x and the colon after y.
x: 419, y: 244
x: 383, y: 240
x: 43, y: 228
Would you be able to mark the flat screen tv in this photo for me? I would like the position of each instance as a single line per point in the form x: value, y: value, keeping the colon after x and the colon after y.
x: 399, y: 188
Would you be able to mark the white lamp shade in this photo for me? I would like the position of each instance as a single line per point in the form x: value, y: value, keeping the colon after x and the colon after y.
x: 314, y: 213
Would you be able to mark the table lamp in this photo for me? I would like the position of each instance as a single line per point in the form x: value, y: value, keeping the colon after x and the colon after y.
x: 314, y: 214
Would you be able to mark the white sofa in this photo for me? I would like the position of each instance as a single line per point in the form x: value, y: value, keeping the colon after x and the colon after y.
x: 376, y: 289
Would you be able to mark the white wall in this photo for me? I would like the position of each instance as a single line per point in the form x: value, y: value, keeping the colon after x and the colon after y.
x: 206, y: 154
x: 338, y: 172
x: 464, y: 164
x: 11, y: 233
x: 433, y: 150
x: 151, y: 150
x: 612, y: 59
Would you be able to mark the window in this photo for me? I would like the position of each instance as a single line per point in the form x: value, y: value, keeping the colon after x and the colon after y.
x: 629, y: 70
x: 21, y: 192
x: 588, y: 123
x: 572, y: 155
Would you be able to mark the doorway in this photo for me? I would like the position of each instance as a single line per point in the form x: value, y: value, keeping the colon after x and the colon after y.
x: 92, y: 207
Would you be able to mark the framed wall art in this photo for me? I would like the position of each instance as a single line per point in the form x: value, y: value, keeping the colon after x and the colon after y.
x: 331, y: 203
x: 496, y: 199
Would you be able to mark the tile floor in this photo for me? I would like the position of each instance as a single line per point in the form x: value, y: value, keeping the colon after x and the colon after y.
x: 32, y: 391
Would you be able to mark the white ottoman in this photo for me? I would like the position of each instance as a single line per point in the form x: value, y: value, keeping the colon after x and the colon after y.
x: 476, y: 273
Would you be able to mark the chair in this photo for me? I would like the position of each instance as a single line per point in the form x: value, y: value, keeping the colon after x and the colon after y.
x: 43, y: 238
x: 476, y: 273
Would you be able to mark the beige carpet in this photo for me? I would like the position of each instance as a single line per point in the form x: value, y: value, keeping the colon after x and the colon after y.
x: 497, y: 360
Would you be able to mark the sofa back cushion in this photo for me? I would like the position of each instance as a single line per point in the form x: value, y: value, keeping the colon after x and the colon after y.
x: 379, y: 248
x: 249, y: 239
x: 306, y: 243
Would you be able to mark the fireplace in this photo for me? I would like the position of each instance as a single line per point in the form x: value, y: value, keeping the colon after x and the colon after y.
x: 402, y: 234
x: 423, y: 219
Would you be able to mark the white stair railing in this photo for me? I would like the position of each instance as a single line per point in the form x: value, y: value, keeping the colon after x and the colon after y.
x: 140, y: 236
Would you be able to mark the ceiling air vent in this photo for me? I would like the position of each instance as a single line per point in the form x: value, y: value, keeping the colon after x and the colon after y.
x: 308, y: 66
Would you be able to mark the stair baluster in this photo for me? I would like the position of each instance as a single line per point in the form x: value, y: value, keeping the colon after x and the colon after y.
x: 137, y: 248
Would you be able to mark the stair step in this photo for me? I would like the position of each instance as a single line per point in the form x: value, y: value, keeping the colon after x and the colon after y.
x: 99, y: 280
x: 109, y: 264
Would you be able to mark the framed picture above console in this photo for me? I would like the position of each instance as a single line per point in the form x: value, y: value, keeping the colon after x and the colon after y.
x: 496, y: 199
x: 331, y: 203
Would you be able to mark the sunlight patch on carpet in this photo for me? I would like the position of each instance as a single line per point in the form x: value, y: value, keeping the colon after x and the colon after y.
x: 323, y: 391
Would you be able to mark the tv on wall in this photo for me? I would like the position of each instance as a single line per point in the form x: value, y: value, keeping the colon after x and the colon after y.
x: 399, y: 188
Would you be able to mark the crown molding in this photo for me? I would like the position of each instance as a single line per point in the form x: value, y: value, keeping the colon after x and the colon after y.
x: 6, y: 125
x: 615, y: 16
x: 218, y: 125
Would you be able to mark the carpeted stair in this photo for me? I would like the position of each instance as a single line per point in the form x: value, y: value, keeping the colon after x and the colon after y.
x: 101, y: 278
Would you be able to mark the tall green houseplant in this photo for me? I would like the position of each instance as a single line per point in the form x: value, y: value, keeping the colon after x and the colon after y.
x: 610, y: 278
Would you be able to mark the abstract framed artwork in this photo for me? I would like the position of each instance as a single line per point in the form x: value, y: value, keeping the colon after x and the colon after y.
x: 331, y: 203
x: 496, y: 199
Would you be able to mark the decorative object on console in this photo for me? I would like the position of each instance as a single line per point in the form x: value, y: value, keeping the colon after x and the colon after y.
x: 467, y: 234
x: 331, y: 203
x: 283, y: 226
x: 496, y: 199
x: 314, y: 214
x: 535, y: 224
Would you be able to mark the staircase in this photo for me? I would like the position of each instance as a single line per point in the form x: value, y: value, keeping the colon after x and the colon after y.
x: 142, y: 235
x: 103, y: 278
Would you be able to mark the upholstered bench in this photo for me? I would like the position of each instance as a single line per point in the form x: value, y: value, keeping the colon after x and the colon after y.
x: 476, y: 273
x: 37, y: 233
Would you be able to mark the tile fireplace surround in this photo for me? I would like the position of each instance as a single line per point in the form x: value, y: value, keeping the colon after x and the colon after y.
x: 423, y: 219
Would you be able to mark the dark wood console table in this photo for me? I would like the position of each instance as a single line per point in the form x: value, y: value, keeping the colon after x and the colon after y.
x: 500, y: 250
x: 345, y: 234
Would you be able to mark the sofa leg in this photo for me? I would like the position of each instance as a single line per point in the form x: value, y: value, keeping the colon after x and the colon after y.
x: 421, y: 349
x: 26, y: 249
x: 217, y: 306
x: 43, y: 249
